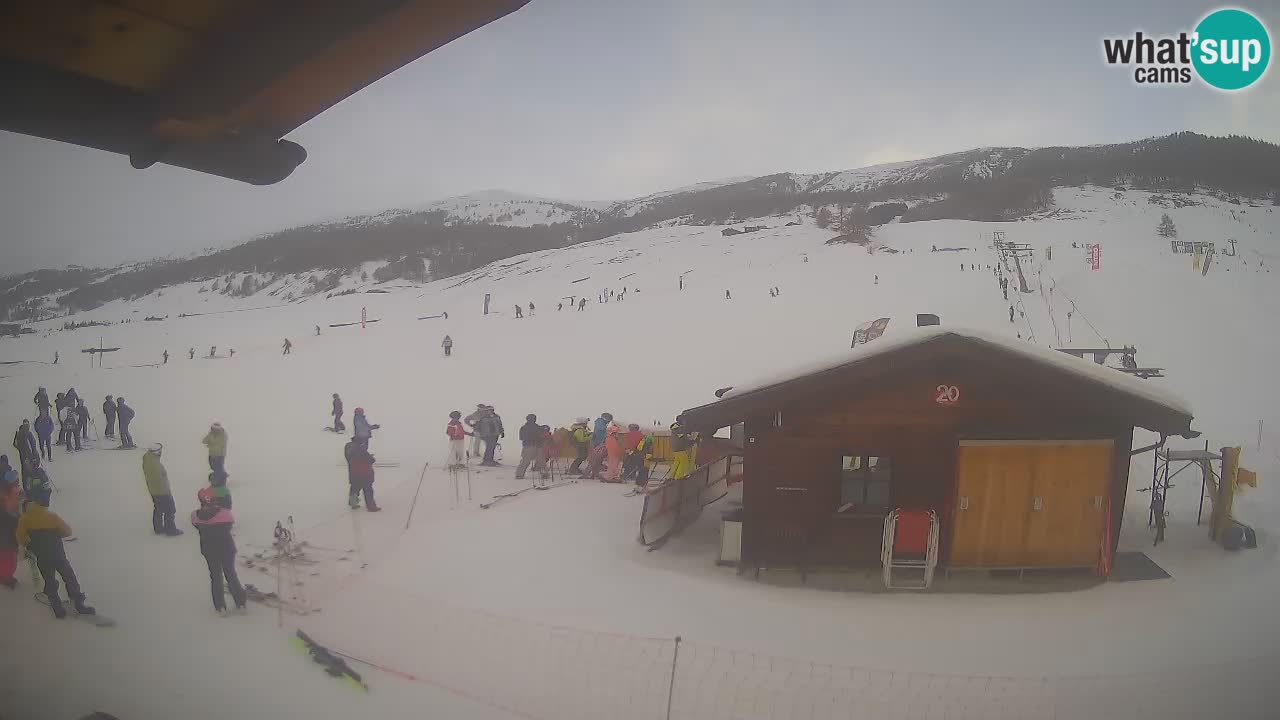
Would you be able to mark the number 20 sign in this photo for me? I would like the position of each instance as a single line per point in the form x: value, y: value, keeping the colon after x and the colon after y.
x: 947, y: 395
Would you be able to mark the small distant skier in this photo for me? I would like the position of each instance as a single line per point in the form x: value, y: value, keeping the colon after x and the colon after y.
x: 338, y: 425
x: 447, y: 345
x: 163, y: 507
x: 362, y: 429
x: 191, y: 354
x: 233, y: 352
x: 360, y: 474
x: 559, y: 306
x: 727, y: 296
x: 82, y: 422
x: 216, y: 441
x: 42, y: 533
x: 445, y: 314
x: 55, y: 357
x: 288, y: 346
x: 125, y: 414
x: 44, y: 434
x: 213, y: 350
x: 582, y: 304
x: 109, y: 411
x: 682, y: 282
x: 457, y: 440
x: 519, y: 312
x: 877, y: 282
x: 219, y: 550
x: 531, y: 310
x: 317, y: 331
x: 961, y: 267
x: 166, y: 358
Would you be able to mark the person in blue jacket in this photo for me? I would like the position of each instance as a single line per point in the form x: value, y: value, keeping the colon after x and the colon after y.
x: 44, y: 434
x: 599, y: 432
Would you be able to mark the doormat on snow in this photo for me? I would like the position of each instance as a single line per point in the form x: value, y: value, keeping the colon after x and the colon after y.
x: 1135, y: 566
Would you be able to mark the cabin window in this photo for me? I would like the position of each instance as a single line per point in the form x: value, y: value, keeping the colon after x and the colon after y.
x: 864, y: 483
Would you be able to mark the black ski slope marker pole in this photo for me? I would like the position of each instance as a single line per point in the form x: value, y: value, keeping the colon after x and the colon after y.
x: 414, y: 504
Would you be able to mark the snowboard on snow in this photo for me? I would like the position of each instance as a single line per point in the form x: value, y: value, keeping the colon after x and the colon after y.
x: 98, y: 619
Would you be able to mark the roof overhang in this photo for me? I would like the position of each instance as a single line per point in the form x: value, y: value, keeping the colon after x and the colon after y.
x: 1148, y: 408
x: 209, y: 85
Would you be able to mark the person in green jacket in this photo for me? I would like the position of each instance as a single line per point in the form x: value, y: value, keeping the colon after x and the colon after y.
x: 216, y: 441
x: 162, y: 505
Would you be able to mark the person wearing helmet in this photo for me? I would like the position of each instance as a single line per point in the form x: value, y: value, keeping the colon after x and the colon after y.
x: 361, y: 427
x: 216, y: 441
x: 581, y: 445
x: 599, y: 433
x: 338, y: 425
x: 42, y: 532
x: 457, y: 441
x: 614, y: 449
x: 162, y: 506
x: 214, y: 522
x: 633, y: 453
x: 530, y: 446
x: 109, y: 410
x: 681, y: 446
x: 360, y: 474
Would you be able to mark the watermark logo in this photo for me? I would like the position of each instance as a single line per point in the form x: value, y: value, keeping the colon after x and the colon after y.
x: 1229, y: 49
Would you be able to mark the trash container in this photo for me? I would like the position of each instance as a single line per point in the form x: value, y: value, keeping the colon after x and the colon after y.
x: 730, y: 538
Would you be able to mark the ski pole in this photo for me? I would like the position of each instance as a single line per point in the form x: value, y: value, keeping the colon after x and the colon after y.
x: 414, y: 504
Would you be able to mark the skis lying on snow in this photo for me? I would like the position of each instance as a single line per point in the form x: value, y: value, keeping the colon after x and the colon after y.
x: 332, y: 663
x: 497, y: 498
x: 100, y: 620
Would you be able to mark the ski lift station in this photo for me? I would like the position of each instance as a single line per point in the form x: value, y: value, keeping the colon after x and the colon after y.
x: 937, y: 448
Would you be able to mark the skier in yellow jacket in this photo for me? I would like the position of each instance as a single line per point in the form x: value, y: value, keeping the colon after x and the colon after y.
x: 42, y: 532
x: 216, y: 441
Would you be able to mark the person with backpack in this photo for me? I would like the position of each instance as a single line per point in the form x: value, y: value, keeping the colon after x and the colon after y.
x: 109, y: 412
x: 489, y: 428
x: 216, y: 441
x: 633, y: 452
x: 457, y: 440
x: 213, y: 522
x: 338, y: 425
x: 44, y: 434
x: 163, y: 507
x: 447, y: 345
x: 67, y: 427
x: 360, y: 474
x: 42, y: 532
x: 125, y: 414
x: 581, y: 437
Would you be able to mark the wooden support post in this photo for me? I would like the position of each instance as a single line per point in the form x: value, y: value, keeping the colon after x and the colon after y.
x: 1226, y: 492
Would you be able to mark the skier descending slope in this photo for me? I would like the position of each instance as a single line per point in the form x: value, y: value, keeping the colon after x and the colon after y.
x: 42, y: 532
x: 360, y: 474
x: 219, y: 550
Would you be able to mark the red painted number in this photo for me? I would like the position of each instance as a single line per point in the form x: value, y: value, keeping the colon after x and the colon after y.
x: 947, y: 395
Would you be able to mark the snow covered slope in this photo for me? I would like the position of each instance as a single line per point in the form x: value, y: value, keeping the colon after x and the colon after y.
x: 466, y: 601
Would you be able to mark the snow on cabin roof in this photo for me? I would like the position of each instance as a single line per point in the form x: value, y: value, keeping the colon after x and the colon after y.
x: 894, y: 341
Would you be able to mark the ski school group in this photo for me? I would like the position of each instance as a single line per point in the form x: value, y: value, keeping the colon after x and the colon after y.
x: 27, y: 523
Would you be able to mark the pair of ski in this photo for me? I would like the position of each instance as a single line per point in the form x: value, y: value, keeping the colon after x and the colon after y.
x: 332, y: 662
x: 521, y: 491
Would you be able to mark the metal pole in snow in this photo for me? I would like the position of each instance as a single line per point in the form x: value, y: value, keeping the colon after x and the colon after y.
x: 671, y: 688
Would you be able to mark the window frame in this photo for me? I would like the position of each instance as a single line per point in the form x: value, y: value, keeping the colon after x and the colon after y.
x: 866, y: 475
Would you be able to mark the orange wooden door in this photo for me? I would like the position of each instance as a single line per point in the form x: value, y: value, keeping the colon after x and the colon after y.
x: 1068, y: 513
x: 993, y: 494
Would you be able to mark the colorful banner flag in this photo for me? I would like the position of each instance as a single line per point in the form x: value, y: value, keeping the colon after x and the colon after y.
x: 1095, y: 256
x: 868, y: 331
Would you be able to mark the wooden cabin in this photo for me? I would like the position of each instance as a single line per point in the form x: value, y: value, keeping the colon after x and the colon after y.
x: 1023, y: 452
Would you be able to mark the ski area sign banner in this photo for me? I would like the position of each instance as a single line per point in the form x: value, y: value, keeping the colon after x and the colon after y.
x: 1095, y: 256
x: 1230, y: 49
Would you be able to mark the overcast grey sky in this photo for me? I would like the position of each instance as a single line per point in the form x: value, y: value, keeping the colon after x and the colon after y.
x: 608, y: 99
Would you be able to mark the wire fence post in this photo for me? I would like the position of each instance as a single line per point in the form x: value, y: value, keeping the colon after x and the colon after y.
x: 671, y: 687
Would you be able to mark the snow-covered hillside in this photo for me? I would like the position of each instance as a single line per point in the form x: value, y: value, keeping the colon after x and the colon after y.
x: 546, y: 607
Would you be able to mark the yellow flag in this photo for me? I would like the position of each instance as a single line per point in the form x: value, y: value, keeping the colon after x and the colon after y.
x: 1246, y: 477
